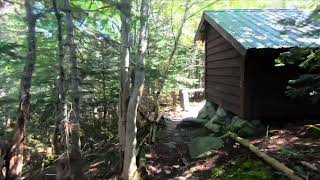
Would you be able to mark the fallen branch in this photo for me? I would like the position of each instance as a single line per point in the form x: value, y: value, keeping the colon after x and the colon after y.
x: 271, y: 161
x: 159, y: 117
x: 141, y: 143
x: 310, y: 166
x: 313, y: 129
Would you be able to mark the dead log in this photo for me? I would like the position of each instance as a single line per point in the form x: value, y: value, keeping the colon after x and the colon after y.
x: 271, y: 161
x: 313, y: 130
x: 310, y: 166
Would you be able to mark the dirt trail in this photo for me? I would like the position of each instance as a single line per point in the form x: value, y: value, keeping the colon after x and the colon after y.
x: 169, y: 157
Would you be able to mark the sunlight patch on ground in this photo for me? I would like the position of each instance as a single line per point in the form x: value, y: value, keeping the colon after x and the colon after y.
x: 193, y: 110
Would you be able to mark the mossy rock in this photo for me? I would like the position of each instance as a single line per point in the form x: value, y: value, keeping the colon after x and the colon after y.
x: 242, y: 127
x: 203, y: 146
x: 217, y: 120
x: 216, y: 128
x: 221, y: 112
x: 236, y: 124
x: 208, y: 111
x: 215, y: 124
x: 192, y: 122
x: 199, y: 132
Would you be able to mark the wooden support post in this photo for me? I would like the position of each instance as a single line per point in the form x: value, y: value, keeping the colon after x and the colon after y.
x: 174, y: 99
x: 184, y: 99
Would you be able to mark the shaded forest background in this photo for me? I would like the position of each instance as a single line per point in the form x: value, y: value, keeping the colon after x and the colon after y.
x: 172, y: 62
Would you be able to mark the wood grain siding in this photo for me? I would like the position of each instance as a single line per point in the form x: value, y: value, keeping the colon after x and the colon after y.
x: 246, y: 81
x: 222, y: 72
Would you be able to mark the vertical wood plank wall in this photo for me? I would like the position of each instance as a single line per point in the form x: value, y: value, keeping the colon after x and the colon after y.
x: 250, y: 86
x: 222, y: 72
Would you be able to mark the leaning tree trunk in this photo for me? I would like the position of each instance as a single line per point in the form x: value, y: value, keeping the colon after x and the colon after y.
x: 170, y: 61
x: 125, y: 13
x: 13, y: 160
x: 75, y: 156
x: 130, y: 166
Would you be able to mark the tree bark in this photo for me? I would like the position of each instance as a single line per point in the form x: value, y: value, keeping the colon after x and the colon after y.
x: 13, y: 160
x: 130, y: 166
x: 60, y: 85
x: 75, y: 83
x: 75, y: 155
x: 170, y: 61
x: 60, y: 133
x: 125, y: 13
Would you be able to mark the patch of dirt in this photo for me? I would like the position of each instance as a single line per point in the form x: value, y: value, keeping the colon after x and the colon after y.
x: 293, y: 146
x: 167, y: 158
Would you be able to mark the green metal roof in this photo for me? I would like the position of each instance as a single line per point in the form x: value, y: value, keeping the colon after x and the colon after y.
x: 264, y: 28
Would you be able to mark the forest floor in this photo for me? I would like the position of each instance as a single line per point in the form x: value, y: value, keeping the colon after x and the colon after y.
x: 169, y: 157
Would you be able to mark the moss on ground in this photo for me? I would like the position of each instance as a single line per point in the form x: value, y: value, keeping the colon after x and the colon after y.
x: 247, y: 169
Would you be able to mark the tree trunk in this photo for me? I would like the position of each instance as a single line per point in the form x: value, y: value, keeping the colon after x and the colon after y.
x: 130, y: 166
x: 170, y: 61
x: 13, y: 160
x: 74, y: 117
x: 58, y: 134
x: 125, y: 13
x: 104, y: 89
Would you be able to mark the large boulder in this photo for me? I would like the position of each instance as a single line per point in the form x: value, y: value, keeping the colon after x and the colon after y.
x: 204, y: 146
x: 243, y: 127
x: 216, y: 128
x: 199, y: 132
x: 217, y: 120
x: 236, y: 124
x: 221, y: 112
x: 191, y: 122
x: 208, y: 111
x: 217, y: 124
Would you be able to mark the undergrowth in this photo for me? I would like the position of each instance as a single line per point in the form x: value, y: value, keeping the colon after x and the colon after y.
x: 246, y: 169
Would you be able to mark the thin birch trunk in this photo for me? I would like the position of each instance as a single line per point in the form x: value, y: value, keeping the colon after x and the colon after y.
x: 125, y: 13
x: 13, y: 160
x: 130, y: 166
x: 170, y: 61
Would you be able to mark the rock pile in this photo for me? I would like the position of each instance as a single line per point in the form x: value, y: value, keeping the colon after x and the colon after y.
x: 219, y: 122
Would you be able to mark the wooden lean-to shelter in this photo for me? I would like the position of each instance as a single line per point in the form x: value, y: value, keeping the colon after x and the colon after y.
x: 240, y: 51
